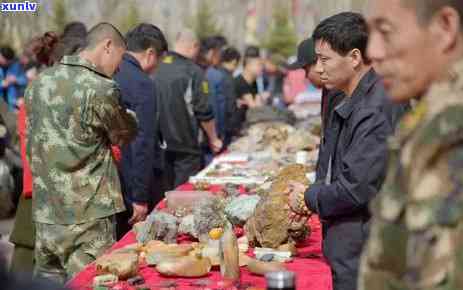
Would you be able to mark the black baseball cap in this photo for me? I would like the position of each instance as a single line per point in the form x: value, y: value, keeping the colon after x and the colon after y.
x: 305, y: 54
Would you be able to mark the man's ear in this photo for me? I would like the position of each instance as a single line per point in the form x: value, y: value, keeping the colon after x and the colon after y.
x: 445, y: 27
x: 107, y: 44
x: 153, y: 53
x: 151, y: 50
x: 356, y: 57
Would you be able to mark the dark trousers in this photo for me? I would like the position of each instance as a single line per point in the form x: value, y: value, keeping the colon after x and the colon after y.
x: 23, y: 238
x: 343, y: 242
x: 179, y: 167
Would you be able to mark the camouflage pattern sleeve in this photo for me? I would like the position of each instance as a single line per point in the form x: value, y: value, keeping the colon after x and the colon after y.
x: 416, y: 233
x: 28, y: 99
x: 119, y: 123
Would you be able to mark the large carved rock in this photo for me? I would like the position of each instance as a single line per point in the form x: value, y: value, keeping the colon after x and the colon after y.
x: 271, y: 226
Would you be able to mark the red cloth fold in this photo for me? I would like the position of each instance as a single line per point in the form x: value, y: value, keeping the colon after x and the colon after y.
x: 27, y: 175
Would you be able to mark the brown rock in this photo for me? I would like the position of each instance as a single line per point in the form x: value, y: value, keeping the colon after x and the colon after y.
x: 123, y: 265
x: 185, y: 267
x: 291, y: 173
x: 261, y: 268
x: 270, y: 225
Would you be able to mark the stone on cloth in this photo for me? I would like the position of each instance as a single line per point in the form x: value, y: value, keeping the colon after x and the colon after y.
x: 240, y: 209
x: 157, y: 226
x: 123, y: 265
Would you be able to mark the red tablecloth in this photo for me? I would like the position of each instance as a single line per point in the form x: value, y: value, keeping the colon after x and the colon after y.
x: 311, y: 269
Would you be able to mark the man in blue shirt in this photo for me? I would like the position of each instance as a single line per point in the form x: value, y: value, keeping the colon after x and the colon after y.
x: 13, y: 80
x: 140, y: 184
x: 222, y: 90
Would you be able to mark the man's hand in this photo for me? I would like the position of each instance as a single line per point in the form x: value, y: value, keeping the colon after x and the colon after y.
x: 216, y: 145
x: 296, y: 199
x: 265, y: 96
x: 11, y: 79
x: 241, y: 103
x: 251, y: 101
x: 140, y: 210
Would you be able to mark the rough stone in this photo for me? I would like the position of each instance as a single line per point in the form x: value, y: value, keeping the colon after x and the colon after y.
x: 240, y: 209
x: 161, y: 226
x: 208, y: 213
x: 270, y: 225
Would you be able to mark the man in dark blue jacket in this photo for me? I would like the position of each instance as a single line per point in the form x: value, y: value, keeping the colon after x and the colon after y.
x: 140, y: 185
x: 355, y: 145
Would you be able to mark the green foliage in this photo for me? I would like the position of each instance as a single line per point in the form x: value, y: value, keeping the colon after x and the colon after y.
x: 282, y: 38
x: 59, y: 15
x: 131, y: 19
x: 203, y: 22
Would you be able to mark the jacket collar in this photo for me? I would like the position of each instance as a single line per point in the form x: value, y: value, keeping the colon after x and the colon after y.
x: 75, y: 60
x: 346, y: 108
x: 177, y: 55
x: 221, y: 68
x: 132, y: 60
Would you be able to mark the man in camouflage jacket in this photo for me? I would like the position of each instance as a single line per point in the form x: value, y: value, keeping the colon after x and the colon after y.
x: 74, y: 116
x: 416, y: 236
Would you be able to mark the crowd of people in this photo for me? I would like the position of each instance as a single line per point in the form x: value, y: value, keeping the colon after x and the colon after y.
x: 107, y: 123
x: 105, y: 113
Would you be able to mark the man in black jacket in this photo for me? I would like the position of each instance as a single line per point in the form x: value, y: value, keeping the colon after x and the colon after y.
x: 184, y: 110
x: 140, y: 183
x: 356, y: 145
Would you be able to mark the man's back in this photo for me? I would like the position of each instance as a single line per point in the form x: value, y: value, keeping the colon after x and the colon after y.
x: 183, y: 102
x: 73, y: 117
x: 138, y: 158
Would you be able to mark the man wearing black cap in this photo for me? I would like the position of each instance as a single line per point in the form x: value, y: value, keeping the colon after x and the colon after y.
x: 306, y: 59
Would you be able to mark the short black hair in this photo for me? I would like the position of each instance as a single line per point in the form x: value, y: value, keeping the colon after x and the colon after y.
x: 75, y: 29
x: 230, y: 54
x: 145, y: 36
x: 252, y: 52
x: 102, y: 31
x: 344, y: 32
x: 212, y: 42
x: 7, y: 52
x: 67, y: 46
x: 221, y: 40
x: 425, y: 9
